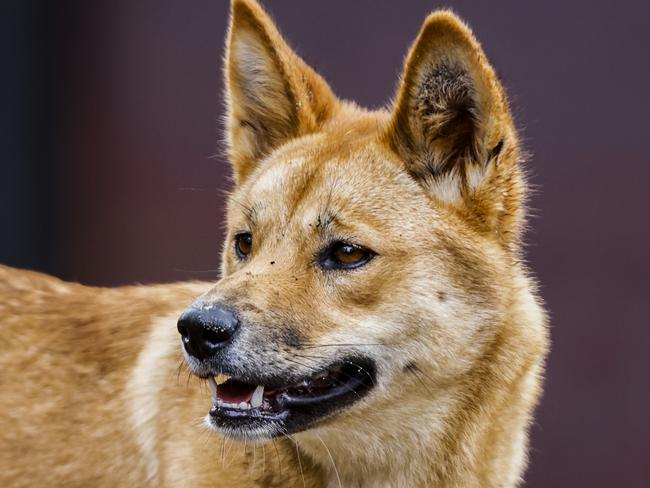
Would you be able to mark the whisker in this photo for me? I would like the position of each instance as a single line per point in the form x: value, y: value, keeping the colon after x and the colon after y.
x: 314, y: 346
x: 295, y: 443
x: 254, y: 457
x: 338, y: 478
x: 223, y: 445
x: 277, y: 454
x: 245, y: 452
x: 300, y: 364
x: 417, y: 375
x: 180, y: 369
x: 263, y: 459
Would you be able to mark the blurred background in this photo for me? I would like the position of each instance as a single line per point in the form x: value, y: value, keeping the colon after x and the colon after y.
x: 111, y: 170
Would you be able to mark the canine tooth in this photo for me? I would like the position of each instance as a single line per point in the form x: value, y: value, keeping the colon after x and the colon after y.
x: 213, y: 388
x: 258, y: 396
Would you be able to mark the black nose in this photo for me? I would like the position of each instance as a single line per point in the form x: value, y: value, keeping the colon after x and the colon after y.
x: 206, y: 330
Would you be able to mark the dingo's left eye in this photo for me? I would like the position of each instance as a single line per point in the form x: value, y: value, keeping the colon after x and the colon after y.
x: 341, y: 255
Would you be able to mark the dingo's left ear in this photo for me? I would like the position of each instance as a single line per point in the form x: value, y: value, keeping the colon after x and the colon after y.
x: 451, y: 117
x: 272, y: 94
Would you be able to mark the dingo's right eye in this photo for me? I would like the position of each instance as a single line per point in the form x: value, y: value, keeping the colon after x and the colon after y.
x: 243, y: 244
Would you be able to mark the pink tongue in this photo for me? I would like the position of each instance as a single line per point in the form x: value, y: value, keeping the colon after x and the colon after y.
x: 235, y: 392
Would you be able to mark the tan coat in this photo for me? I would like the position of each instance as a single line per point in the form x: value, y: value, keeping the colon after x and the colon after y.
x: 94, y: 389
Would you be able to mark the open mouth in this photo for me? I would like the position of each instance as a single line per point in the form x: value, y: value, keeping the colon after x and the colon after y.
x: 241, y: 408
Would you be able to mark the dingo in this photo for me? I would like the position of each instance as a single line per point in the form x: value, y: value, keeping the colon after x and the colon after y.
x: 373, y: 326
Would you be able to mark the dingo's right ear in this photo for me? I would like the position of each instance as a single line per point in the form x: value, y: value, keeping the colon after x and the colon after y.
x: 451, y: 117
x: 272, y: 94
x: 452, y: 128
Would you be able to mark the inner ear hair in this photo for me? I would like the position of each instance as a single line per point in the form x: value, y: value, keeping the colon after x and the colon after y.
x: 493, y: 154
x: 446, y: 116
x: 449, y: 111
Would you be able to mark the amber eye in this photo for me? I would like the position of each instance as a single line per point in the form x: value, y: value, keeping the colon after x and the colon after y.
x: 243, y: 244
x: 341, y: 255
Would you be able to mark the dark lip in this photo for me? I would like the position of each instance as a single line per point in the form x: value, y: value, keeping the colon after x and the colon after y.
x: 298, y: 413
x: 333, y: 393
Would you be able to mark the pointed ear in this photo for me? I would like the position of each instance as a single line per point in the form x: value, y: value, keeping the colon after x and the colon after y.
x: 451, y: 119
x: 272, y: 95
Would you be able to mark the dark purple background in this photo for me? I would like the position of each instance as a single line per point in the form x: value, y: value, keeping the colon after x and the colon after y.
x: 110, y: 116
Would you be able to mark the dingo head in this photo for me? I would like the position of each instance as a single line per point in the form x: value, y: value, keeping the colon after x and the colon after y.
x: 366, y: 251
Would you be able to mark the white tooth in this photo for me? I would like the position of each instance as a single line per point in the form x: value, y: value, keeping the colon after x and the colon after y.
x: 213, y: 388
x: 243, y: 406
x: 258, y: 396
